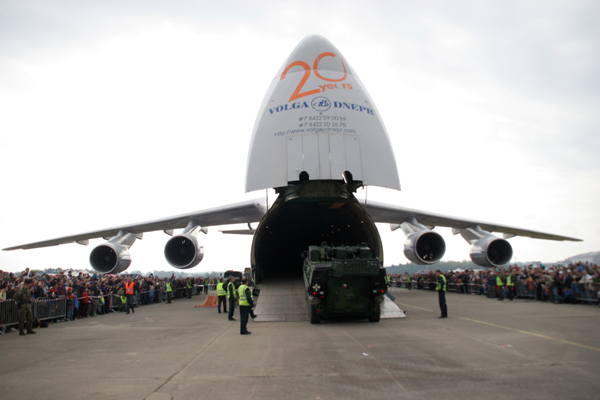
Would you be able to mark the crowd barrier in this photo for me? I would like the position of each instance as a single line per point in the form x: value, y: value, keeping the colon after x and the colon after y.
x: 49, y: 308
x: 61, y: 307
x: 523, y: 291
x: 586, y: 293
x: 8, y: 313
x: 42, y: 309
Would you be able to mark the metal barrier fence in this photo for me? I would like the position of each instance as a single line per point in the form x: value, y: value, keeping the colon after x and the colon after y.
x: 585, y: 292
x: 150, y: 297
x: 42, y: 309
x: 523, y: 290
x: 49, y: 308
x: 8, y: 313
x: 61, y: 307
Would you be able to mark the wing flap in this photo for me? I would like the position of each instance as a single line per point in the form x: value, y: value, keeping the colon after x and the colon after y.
x: 392, y: 214
x: 243, y: 212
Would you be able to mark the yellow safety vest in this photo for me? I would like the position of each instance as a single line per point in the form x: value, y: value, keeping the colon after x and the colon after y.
x: 498, y: 281
x: 242, y: 295
x: 233, y: 291
x: 440, y: 286
x: 509, y: 281
x: 220, y: 289
x: 169, y: 288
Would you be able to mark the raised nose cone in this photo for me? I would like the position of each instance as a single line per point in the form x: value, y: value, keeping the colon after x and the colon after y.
x: 320, y: 55
x: 318, y: 120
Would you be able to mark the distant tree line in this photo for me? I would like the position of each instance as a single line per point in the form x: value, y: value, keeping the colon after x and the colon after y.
x: 443, y: 266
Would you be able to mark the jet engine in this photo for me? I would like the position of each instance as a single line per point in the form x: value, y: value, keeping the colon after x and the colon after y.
x: 113, y: 257
x: 110, y: 258
x: 424, y: 247
x: 491, y: 252
x: 185, y: 251
x: 486, y: 250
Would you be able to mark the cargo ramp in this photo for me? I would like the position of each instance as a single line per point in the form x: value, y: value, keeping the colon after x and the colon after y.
x: 283, y: 299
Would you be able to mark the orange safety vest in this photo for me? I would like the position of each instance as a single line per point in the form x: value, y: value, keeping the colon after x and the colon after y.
x: 129, y: 288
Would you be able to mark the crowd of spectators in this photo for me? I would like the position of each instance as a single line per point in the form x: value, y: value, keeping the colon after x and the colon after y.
x: 89, y: 295
x: 573, y: 283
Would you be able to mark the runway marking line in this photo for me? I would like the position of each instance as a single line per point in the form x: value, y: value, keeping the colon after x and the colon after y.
x: 515, y: 330
x: 533, y: 334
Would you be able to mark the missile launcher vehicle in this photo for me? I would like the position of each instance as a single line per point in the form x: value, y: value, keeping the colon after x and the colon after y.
x: 343, y: 282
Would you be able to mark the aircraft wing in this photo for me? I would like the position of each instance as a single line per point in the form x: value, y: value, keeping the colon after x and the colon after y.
x: 243, y: 212
x: 392, y: 214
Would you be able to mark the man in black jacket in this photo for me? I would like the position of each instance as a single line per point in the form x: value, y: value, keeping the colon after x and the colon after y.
x: 231, y: 295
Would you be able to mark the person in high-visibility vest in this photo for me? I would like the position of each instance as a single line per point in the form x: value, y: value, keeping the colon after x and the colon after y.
x: 500, y: 286
x: 231, y: 295
x: 408, y: 282
x: 188, y: 283
x: 169, y: 292
x: 441, y: 289
x: 222, y: 296
x: 246, y: 303
x: 129, y: 292
x: 510, y: 286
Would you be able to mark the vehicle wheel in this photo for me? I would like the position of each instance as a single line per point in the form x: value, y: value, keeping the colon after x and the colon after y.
x: 315, y: 318
x: 375, y: 317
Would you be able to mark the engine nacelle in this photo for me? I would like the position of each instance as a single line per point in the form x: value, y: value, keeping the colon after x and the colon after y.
x: 424, y: 247
x: 184, y: 251
x: 110, y: 258
x: 491, y: 252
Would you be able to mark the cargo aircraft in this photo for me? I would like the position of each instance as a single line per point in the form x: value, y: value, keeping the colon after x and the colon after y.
x: 318, y: 137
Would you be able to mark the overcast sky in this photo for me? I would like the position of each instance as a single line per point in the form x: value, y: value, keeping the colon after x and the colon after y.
x: 115, y: 112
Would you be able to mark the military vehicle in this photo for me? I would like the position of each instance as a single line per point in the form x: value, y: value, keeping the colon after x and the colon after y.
x: 235, y: 274
x: 344, y: 281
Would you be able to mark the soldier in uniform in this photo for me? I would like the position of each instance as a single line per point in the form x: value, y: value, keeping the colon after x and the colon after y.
x: 23, y: 298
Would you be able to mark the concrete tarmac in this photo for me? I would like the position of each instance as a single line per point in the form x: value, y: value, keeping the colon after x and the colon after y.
x: 486, y: 349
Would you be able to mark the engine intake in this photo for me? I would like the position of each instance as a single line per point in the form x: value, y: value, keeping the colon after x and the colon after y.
x: 424, y: 247
x: 184, y: 251
x: 491, y: 252
x: 110, y: 258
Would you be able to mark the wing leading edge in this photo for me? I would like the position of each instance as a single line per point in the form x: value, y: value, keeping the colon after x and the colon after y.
x: 243, y: 212
x: 392, y: 214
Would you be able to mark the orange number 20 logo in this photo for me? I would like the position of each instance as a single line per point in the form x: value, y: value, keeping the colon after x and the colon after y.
x: 297, y: 94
